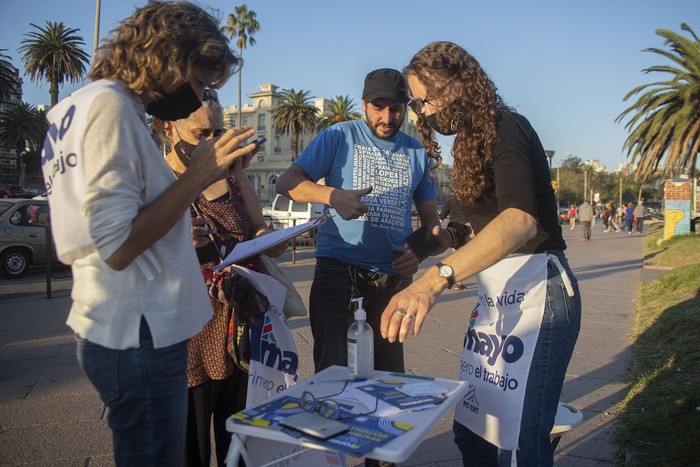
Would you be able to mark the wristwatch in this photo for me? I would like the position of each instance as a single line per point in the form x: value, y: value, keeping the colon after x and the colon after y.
x: 447, y: 272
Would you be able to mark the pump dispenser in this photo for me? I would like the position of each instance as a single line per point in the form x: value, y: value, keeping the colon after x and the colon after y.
x: 360, y: 344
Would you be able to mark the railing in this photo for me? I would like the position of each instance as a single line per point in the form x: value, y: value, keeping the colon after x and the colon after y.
x: 50, y: 274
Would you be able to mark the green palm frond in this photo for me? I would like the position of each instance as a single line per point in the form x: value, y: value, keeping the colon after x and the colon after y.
x: 293, y: 115
x: 241, y: 26
x: 7, y: 76
x: 664, y: 122
x: 54, y: 53
x: 341, y: 109
x: 22, y: 125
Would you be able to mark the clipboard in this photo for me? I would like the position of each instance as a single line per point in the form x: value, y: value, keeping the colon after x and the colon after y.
x: 244, y: 250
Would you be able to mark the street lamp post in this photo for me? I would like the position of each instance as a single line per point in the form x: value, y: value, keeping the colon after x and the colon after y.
x: 97, y: 29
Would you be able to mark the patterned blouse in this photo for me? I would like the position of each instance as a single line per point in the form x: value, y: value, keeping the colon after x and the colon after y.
x: 207, y: 355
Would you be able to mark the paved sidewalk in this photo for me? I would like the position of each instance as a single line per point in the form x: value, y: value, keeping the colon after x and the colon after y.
x: 51, y: 416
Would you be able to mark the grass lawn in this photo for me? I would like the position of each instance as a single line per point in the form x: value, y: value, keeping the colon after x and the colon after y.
x: 661, y: 412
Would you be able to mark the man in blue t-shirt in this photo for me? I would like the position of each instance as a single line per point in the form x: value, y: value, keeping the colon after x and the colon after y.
x: 373, y: 173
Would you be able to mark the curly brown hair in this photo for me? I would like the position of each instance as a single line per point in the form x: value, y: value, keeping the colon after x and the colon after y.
x: 162, y: 41
x: 475, y: 112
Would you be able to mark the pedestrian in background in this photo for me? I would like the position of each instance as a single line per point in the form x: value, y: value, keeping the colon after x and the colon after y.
x: 572, y: 217
x: 639, y: 215
x: 119, y: 218
x: 585, y: 216
x: 620, y: 216
x: 606, y: 215
x: 629, y: 218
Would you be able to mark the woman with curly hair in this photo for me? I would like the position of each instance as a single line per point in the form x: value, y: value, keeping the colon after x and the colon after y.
x: 120, y: 219
x: 522, y: 332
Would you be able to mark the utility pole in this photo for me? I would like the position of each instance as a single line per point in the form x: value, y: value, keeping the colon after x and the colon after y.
x: 558, y: 189
x: 620, y: 204
x: 97, y: 30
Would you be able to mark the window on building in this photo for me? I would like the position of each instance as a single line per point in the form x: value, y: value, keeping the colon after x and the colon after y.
x: 261, y: 122
x: 244, y: 121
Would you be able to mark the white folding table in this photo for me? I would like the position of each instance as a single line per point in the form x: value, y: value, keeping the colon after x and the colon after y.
x: 396, y: 450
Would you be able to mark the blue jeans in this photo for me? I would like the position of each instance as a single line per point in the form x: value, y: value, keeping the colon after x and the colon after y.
x: 330, y: 314
x: 145, y: 390
x: 555, y: 345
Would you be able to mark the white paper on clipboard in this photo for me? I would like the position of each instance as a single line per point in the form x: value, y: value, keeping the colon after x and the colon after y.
x: 245, y: 250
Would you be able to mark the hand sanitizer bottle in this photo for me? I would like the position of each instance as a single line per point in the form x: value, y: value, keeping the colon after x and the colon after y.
x: 360, y: 345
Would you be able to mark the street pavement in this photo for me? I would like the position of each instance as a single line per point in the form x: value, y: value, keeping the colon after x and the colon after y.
x: 51, y: 416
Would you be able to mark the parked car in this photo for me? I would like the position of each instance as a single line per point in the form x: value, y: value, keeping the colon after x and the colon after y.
x: 267, y: 210
x: 287, y: 213
x: 32, y: 193
x: 23, y: 235
x: 563, y: 215
x: 10, y: 191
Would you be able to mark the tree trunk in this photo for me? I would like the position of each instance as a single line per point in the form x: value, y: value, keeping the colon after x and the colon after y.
x: 295, y: 143
x: 240, y: 74
x: 53, y: 92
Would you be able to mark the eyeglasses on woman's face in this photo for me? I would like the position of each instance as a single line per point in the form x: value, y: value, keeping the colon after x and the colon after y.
x: 210, y: 95
x: 418, y: 105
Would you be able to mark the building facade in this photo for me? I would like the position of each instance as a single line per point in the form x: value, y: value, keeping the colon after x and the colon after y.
x: 8, y: 155
x: 275, y: 156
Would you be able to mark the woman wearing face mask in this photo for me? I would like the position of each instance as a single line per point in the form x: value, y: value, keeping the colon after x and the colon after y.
x: 528, y: 297
x: 119, y: 218
x: 226, y: 213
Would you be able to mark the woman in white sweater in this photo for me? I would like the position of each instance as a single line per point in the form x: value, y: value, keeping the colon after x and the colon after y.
x: 119, y: 218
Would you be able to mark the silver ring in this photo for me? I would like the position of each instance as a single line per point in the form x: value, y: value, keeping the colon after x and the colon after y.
x: 400, y: 312
x: 409, y: 315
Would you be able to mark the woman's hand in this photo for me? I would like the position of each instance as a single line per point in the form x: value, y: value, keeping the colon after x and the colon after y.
x: 218, y: 158
x: 276, y: 250
x: 407, y: 310
x: 200, y: 232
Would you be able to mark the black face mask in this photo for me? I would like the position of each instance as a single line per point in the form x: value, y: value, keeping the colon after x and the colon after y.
x: 177, y: 105
x: 184, y: 150
x: 448, y: 126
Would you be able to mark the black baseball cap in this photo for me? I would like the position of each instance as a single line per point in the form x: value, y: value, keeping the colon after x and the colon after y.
x: 385, y: 82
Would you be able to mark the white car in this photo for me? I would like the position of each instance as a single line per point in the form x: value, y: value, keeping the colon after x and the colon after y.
x: 287, y: 213
x: 23, y: 225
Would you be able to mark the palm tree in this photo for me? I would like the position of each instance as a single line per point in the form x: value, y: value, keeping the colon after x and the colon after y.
x: 22, y: 126
x: 54, y: 53
x: 7, y: 76
x: 241, y: 26
x: 667, y: 116
x: 294, y: 114
x: 342, y: 109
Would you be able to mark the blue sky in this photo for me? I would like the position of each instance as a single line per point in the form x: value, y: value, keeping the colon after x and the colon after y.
x: 565, y: 65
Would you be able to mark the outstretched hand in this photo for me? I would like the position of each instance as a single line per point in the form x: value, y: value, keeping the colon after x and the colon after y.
x: 407, y: 310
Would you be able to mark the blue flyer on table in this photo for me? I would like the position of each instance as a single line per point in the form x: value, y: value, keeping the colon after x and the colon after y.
x: 366, y: 431
x: 389, y: 391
